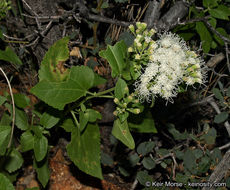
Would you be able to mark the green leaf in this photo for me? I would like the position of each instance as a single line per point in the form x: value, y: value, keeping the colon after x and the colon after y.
x: 84, y: 119
x: 127, y: 37
x: 123, y: 171
x: 52, y: 68
x: 5, y: 183
x: 93, y: 115
x: 106, y: 159
x: 212, y: 21
x: 217, y: 94
x: 40, y: 147
x: 116, y: 57
x: 221, y: 117
x: 14, y: 161
x: 84, y: 150
x: 142, y: 123
x: 5, y: 120
x: 9, y: 56
x: 221, y: 12
x: 50, y: 118
x: 145, y: 148
x: 210, y: 3
x: 4, y: 138
x: 2, y: 99
x: 21, y: 119
x: 189, y: 160
x: 203, y: 165
x: 186, y: 35
x: 121, y: 89
x: 121, y: 132
x: 21, y: 100
x: 134, y: 159
x: 228, y: 92
x: 98, y: 80
x: 143, y: 177
x: 176, y: 134
x: 27, y: 141
x: 223, y: 33
x: 205, y: 36
x: 80, y: 80
x: 42, y: 169
x: 68, y: 125
x: 210, y: 137
x: 148, y: 163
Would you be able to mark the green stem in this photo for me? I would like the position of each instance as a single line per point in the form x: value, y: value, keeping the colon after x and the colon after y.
x: 75, y: 119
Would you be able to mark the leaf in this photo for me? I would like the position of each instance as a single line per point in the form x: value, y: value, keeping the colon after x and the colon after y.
x: 121, y: 89
x: 1, y: 35
x: 40, y: 147
x: 21, y: 100
x: 27, y: 141
x: 176, y: 134
x: 210, y: 137
x: 93, y: 115
x: 2, y: 100
x: 221, y: 117
x: 116, y: 57
x: 4, y: 138
x: 217, y: 94
x: 127, y: 37
x: 205, y: 36
x: 204, y: 165
x: 14, y: 161
x: 145, y: 148
x: 189, y: 160
x: 121, y: 132
x: 221, y: 12
x: 9, y: 56
x: 106, y: 159
x: 68, y: 125
x: 42, y: 169
x: 123, y: 171
x: 223, y: 33
x: 5, y: 183
x: 142, y: 123
x: 210, y: 3
x: 5, y: 119
x: 143, y: 177
x: 50, y: 118
x: 148, y: 163
x: 134, y: 159
x: 228, y: 92
x: 80, y: 80
x: 84, y: 150
x: 52, y: 68
x: 21, y: 119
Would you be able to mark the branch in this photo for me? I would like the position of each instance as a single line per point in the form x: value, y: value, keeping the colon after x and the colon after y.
x: 217, y: 109
x: 220, y: 171
x: 171, y: 18
x: 152, y: 14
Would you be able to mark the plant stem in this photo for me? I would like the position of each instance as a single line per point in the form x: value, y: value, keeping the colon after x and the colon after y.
x: 75, y: 119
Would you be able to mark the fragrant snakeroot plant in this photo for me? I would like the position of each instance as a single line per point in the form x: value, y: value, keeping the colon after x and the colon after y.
x: 170, y: 64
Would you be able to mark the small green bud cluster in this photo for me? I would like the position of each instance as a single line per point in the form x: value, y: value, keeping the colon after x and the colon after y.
x: 4, y: 8
x: 142, y: 46
x: 127, y: 104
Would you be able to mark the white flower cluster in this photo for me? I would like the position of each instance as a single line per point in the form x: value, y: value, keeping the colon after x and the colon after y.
x: 171, y: 63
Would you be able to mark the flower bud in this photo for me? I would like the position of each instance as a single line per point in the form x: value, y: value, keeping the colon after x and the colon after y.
x: 134, y: 110
x: 130, y: 49
x: 131, y: 28
x: 116, y: 101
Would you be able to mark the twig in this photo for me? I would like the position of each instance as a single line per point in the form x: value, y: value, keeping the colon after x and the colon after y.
x: 134, y: 184
x: 227, y: 52
x: 217, y: 109
x: 220, y: 171
x: 13, y: 115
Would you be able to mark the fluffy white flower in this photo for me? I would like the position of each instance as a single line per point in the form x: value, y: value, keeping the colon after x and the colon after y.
x: 171, y: 63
